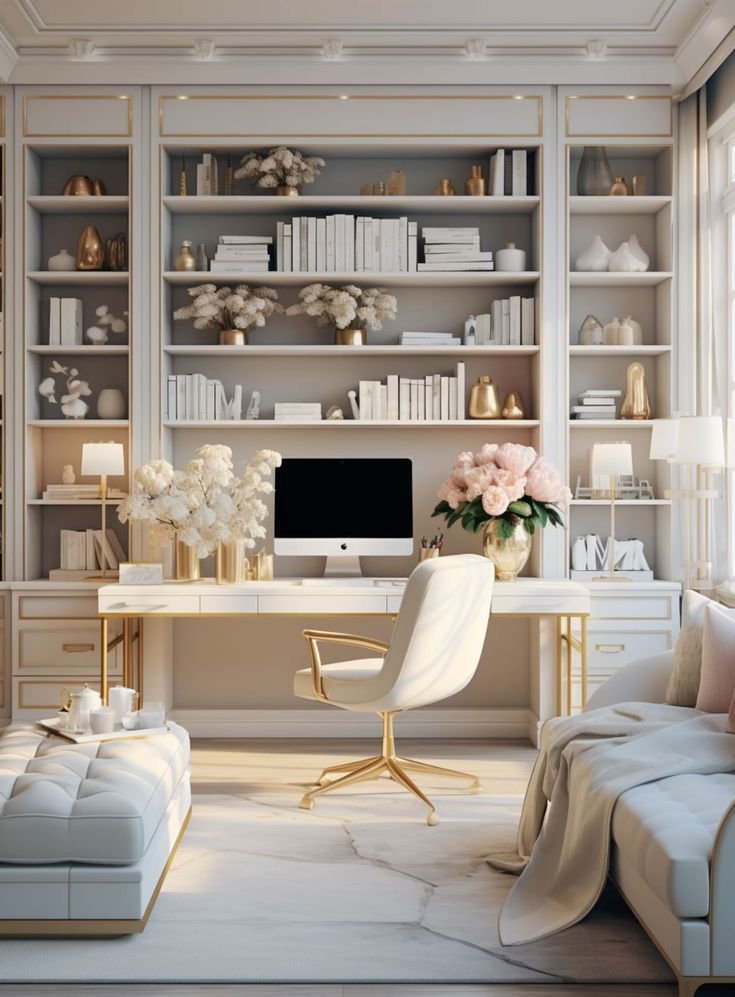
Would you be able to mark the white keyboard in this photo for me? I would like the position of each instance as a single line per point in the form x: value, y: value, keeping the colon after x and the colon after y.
x: 356, y: 582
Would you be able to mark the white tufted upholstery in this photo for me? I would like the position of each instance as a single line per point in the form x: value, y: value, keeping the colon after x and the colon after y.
x: 93, y: 803
x: 666, y: 831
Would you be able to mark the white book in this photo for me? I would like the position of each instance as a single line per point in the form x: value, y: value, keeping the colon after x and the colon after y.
x: 386, y: 245
x: 414, y: 400
x: 515, y: 320
x: 91, y: 551
x: 350, y: 243
x: 254, y: 266
x: 311, y: 244
x: 242, y: 240
x: 71, y: 322
x: 191, y: 405
x: 461, y: 391
x: 412, y: 246
x: 330, y: 244
x: 428, y: 398
x: 54, y: 322
x: 378, y: 413
x: 365, y: 399
x: 214, y: 176
x: 592, y: 411
x: 402, y: 244
x: 359, y: 244
x: 297, y: 408
x: 211, y: 411
x: 367, y: 248
x: 237, y: 402
x: 418, y: 334
x: 117, y: 547
x: 454, y: 341
x: 472, y: 256
x: 453, y: 404
x: 304, y: 245
x: 450, y: 235
x: 296, y: 244
x: 287, y: 248
x: 518, y: 186
x: 246, y: 254
x: 321, y: 244
x: 404, y: 399
x: 471, y: 245
x: 383, y: 400
x: 528, y: 322
x: 207, y: 165
x: 601, y: 393
x: 455, y: 266
x: 340, y: 254
x: 436, y: 395
x: 377, y: 237
x: 444, y: 398
x: 220, y: 401
x: 392, y: 399
x: 171, y: 397
x: 201, y: 396
x: 63, y: 550
x: 497, y: 173
x: 201, y: 185
x: 597, y: 401
x: 181, y: 396
x: 505, y: 327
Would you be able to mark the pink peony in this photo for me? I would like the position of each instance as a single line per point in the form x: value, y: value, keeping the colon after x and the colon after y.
x: 448, y: 492
x: 515, y: 457
x: 513, y: 485
x: 494, y: 501
x: 487, y: 454
x: 544, y: 483
x: 466, y: 458
x: 477, y: 479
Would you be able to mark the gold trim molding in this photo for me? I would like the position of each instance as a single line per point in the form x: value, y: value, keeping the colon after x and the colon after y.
x: 27, y: 98
x: 618, y: 96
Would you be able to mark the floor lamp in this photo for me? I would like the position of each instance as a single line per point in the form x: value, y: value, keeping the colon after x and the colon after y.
x: 610, y: 461
x: 701, y: 449
x: 103, y: 460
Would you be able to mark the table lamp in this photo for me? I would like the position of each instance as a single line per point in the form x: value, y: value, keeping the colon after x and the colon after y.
x: 611, y: 460
x: 101, y: 460
x: 664, y: 439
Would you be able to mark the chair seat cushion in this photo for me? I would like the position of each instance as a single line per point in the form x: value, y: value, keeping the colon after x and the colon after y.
x: 344, y: 682
x: 99, y: 802
x: 666, y: 830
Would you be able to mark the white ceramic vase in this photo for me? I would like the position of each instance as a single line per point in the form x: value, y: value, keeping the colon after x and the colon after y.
x: 610, y: 332
x: 111, y: 404
x: 625, y: 334
x: 595, y: 257
x: 62, y: 261
x: 509, y: 259
x: 638, y: 251
x: 624, y: 260
x: 637, y: 330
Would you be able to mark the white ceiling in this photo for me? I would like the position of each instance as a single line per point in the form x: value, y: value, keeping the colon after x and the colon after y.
x: 492, y: 41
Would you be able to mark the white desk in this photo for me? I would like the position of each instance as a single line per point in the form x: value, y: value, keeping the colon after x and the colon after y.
x: 532, y: 597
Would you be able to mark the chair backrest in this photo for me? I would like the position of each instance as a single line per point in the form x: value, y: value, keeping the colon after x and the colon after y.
x: 440, y: 631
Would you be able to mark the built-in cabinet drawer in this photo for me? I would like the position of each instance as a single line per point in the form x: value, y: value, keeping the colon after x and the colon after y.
x: 57, y: 607
x: 619, y: 115
x: 633, y: 607
x: 65, y: 651
x: 164, y: 605
x: 38, y: 697
x: 609, y: 650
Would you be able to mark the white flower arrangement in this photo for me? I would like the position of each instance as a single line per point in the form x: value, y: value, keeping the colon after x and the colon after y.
x: 279, y: 167
x: 72, y: 401
x: 205, y: 503
x: 237, y: 307
x: 347, y: 307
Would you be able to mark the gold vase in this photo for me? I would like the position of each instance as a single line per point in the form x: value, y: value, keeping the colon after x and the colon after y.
x: 286, y: 191
x: 231, y: 563
x: 78, y: 185
x: 349, y: 337
x: 636, y: 404
x: 90, y: 251
x: 263, y: 567
x: 232, y: 337
x: 186, y: 562
x: 98, y: 187
x: 444, y: 188
x: 428, y: 553
x: 509, y: 555
x: 619, y: 187
x: 185, y: 258
x: 484, y: 399
x: 474, y: 185
x: 513, y: 407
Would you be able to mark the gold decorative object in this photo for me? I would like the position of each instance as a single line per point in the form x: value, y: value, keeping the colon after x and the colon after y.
x: 638, y: 184
x: 396, y: 183
x: 116, y: 252
x: 484, y: 399
x: 508, y: 554
x: 229, y: 178
x: 78, y: 184
x: 379, y: 187
x: 231, y: 563
x: 444, y: 188
x: 426, y: 553
x: 90, y: 251
x: 182, y: 182
x: 98, y: 187
x: 513, y: 407
x: 619, y: 187
x: 636, y: 404
x: 349, y: 337
x: 186, y: 562
x: 185, y: 258
x: 474, y: 185
x: 286, y: 191
x: 263, y: 567
x: 232, y: 337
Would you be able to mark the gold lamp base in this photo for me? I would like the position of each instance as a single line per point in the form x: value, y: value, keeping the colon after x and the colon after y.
x: 387, y: 761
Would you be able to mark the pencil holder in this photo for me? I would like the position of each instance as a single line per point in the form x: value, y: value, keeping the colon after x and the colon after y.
x: 426, y: 553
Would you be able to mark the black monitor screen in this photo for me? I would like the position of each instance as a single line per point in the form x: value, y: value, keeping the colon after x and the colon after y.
x: 344, y: 497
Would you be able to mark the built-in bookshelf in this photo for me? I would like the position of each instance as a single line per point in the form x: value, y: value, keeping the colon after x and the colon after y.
x: 3, y: 358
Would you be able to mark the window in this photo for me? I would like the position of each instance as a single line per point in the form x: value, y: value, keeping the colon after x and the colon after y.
x: 727, y: 151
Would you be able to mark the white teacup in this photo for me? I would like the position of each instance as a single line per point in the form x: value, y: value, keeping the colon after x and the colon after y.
x: 102, y: 720
x: 151, y: 715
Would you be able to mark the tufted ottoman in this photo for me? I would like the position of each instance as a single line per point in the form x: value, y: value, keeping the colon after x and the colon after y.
x: 87, y: 831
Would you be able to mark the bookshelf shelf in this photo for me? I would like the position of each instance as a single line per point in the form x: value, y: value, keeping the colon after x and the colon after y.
x: 655, y: 350
x: 100, y: 351
x: 342, y: 425
x: 645, y: 205
x: 99, y: 278
x: 460, y: 278
x: 111, y: 503
x: 636, y: 503
x: 272, y: 204
x: 79, y: 424
x: 59, y: 204
x: 610, y: 423
x: 651, y: 278
x: 343, y: 352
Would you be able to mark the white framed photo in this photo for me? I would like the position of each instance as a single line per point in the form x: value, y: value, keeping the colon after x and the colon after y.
x: 141, y: 573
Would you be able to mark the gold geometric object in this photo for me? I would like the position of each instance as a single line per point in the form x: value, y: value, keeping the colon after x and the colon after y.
x: 636, y: 404
x: 263, y: 567
x: 90, y: 251
x: 231, y: 563
x: 513, y: 407
x: 508, y: 554
x: 639, y: 184
x: 186, y: 562
x: 349, y: 337
x: 484, y: 399
x: 619, y: 187
x: 232, y: 337
x: 98, y: 187
x: 444, y: 188
x: 79, y: 185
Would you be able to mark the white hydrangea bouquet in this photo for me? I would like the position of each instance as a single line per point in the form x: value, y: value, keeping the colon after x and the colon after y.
x: 280, y: 168
x: 227, y: 308
x: 204, y: 504
x: 346, y: 307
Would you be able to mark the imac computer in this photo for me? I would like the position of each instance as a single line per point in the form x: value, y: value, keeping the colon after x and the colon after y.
x: 343, y: 508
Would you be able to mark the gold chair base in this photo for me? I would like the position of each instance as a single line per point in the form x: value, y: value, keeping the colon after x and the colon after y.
x: 386, y: 762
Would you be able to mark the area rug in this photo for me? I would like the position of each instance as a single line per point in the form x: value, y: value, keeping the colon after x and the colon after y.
x: 358, y: 890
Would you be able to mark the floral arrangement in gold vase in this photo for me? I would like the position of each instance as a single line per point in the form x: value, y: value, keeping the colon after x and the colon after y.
x: 280, y: 168
x: 351, y: 310
x: 507, y: 492
x: 232, y: 310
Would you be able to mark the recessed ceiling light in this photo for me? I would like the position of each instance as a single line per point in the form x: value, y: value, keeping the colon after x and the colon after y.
x: 631, y: 96
x: 344, y: 96
x: 182, y: 96
x: 518, y: 96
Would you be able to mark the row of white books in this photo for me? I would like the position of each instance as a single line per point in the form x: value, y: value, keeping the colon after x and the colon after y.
x: 84, y: 549
x: 242, y: 254
x: 432, y: 397
x: 76, y: 492
x: 207, y: 182
x: 196, y: 397
x: 597, y: 403
x: 508, y: 173
x: 346, y: 244
x: 65, y: 320
x: 510, y: 322
x: 454, y: 248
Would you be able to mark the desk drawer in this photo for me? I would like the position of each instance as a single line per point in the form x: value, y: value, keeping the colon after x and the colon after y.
x: 65, y: 652
x: 234, y: 605
x: 42, y: 696
x: 61, y: 607
x: 324, y: 605
x: 150, y: 605
x: 632, y: 607
x: 608, y: 651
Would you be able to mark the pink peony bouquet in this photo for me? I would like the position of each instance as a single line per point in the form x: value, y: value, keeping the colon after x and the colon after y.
x: 509, y: 482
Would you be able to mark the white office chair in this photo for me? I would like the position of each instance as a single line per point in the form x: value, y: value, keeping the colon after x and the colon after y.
x: 434, y: 651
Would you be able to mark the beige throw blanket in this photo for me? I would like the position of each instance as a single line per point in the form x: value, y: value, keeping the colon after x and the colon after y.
x: 585, y: 764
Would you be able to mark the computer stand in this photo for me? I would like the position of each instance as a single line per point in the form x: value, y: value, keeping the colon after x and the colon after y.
x: 342, y: 566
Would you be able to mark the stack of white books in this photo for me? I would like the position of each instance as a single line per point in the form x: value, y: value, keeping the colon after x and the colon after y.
x: 346, y: 244
x: 65, y: 322
x: 81, y: 550
x: 433, y: 397
x: 429, y: 339
x: 512, y: 323
x: 242, y: 254
x: 197, y: 398
x: 454, y: 249
x: 207, y: 182
x: 75, y: 493
x: 297, y: 411
x: 596, y: 403
x: 508, y: 173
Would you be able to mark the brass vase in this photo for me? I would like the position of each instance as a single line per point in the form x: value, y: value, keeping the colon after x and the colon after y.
x: 619, y: 187
x: 185, y: 259
x: 513, y: 407
x: 286, y: 191
x: 232, y: 337
x: 186, y: 562
x: 484, y: 399
x: 474, y: 185
x: 98, y: 187
x: 91, y: 250
x: 636, y: 404
x: 231, y: 563
x: 349, y: 337
x: 509, y: 555
x: 444, y: 188
x: 79, y: 185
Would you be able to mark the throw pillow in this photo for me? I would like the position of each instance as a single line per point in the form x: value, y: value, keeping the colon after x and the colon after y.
x: 717, y: 683
x: 684, y: 682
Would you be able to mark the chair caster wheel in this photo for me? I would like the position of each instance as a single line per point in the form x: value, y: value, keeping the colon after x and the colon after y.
x: 431, y: 819
x: 306, y: 803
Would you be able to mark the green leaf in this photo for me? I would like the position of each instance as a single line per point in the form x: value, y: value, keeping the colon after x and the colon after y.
x: 520, y: 508
x: 540, y: 510
x: 554, y: 515
x: 479, y: 525
x: 455, y: 515
x: 504, y: 528
x: 442, y: 508
x: 529, y: 527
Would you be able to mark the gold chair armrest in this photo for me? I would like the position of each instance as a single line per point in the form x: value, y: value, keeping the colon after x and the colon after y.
x: 329, y: 636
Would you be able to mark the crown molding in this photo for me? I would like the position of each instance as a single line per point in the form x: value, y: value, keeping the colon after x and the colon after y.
x: 709, y: 30
x: 8, y: 57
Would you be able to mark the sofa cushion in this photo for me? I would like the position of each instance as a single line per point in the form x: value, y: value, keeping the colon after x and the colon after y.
x: 98, y: 802
x: 666, y: 831
x: 717, y: 684
x: 685, y: 677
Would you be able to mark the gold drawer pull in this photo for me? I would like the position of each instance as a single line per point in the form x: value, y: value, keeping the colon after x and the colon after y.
x: 609, y: 648
x: 77, y: 648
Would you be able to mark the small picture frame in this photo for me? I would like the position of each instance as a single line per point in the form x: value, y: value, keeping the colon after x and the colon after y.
x: 141, y: 573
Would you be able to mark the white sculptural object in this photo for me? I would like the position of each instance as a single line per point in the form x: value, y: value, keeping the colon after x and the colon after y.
x: 624, y: 260
x: 595, y: 257
x: 638, y: 251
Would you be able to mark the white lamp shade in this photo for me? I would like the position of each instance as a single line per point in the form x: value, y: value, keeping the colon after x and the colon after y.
x: 664, y: 439
x: 611, y: 458
x: 701, y: 441
x: 102, y: 458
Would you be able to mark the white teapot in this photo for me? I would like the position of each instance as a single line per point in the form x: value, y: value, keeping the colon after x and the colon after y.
x: 80, y: 705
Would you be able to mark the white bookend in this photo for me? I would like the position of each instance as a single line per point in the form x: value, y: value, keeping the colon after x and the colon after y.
x: 330, y: 244
x: 71, y: 322
x: 461, y: 392
x: 367, y: 247
x: 514, y: 304
x: 171, y: 397
x: 403, y: 243
x: 453, y: 405
x: 412, y: 246
x: 392, y: 402
x: 296, y: 245
x: 528, y: 322
x: 505, y: 328
x: 444, y: 398
x: 359, y: 244
x: 321, y: 244
x: 350, y: 243
x: 518, y: 187
x: 279, y: 245
x: 304, y: 245
x: 340, y: 256
x: 54, y: 322
x: 386, y: 245
x: 404, y: 399
x: 287, y: 248
x: 365, y: 400
x: 311, y: 244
